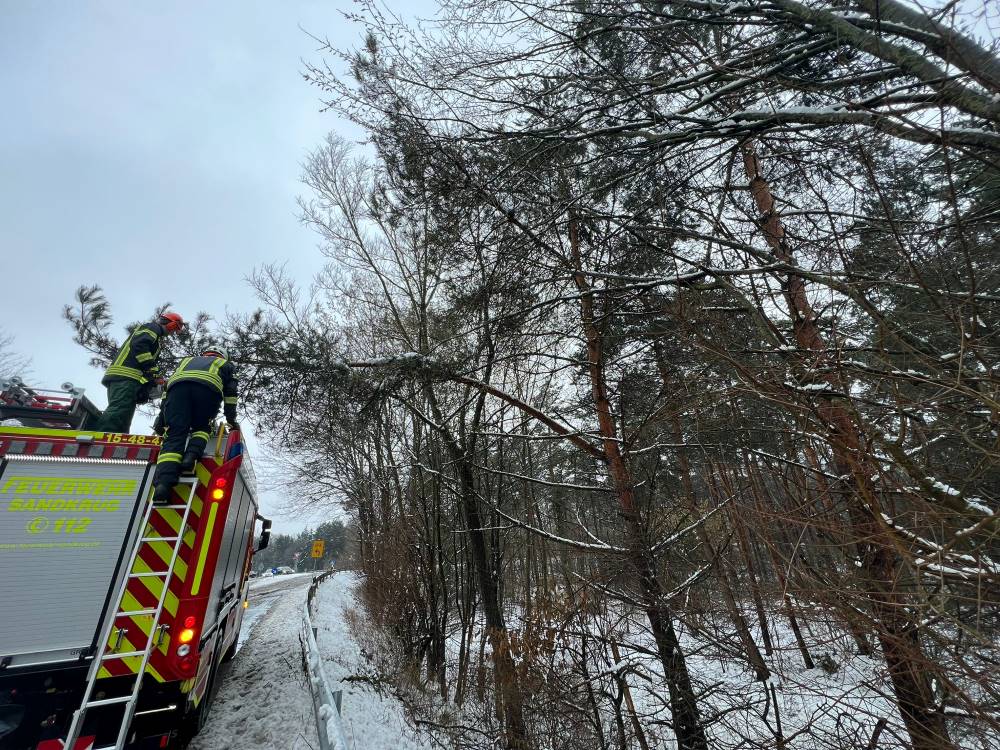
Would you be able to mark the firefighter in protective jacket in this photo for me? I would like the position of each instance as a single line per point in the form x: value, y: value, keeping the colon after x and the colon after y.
x: 194, y: 393
x: 135, y: 371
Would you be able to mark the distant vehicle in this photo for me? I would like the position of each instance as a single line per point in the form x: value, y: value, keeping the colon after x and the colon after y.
x: 117, y: 614
x: 284, y: 570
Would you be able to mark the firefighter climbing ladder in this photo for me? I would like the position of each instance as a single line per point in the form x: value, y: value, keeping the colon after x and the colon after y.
x: 100, y: 658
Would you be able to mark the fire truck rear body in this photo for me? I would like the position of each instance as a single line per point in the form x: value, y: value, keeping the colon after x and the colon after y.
x: 72, y: 503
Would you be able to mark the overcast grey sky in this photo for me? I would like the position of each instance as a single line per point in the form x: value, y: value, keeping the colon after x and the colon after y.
x: 154, y: 149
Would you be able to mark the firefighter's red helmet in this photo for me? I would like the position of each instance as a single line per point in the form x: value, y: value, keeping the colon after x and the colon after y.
x: 171, y: 321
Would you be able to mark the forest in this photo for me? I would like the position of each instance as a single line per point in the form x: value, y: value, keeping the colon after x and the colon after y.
x: 294, y: 550
x: 655, y: 362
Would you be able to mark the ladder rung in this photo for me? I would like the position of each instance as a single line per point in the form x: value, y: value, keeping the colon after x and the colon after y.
x: 137, y: 613
x: 170, y: 507
x: 109, y: 701
x: 159, y: 539
x: 149, y: 574
x: 122, y: 655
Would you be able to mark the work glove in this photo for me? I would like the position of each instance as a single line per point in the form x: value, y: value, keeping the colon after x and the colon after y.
x: 142, y: 395
x: 158, y: 426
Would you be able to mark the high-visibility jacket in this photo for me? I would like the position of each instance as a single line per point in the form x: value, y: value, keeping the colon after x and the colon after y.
x: 138, y: 357
x: 216, y: 372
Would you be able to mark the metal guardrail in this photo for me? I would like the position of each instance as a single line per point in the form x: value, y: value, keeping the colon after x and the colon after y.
x: 326, y: 702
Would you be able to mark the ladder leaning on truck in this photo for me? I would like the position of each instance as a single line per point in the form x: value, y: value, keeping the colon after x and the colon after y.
x: 117, y: 614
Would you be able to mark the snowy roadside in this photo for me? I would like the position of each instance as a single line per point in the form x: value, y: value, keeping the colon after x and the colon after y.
x: 263, y: 701
x: 371, y: 721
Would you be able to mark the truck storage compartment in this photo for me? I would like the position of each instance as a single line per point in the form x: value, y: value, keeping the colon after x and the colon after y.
x: 66, y: 527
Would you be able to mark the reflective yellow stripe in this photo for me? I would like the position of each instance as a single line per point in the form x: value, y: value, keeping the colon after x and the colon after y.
x: 133, y: 662
x: 118, y: 367
x: 173, y: 517
x: 167, y: 458
x: 203, y: 475
x: 200, y: 434
x: 155, y: 586
x: 211, y: 375
x: 164, y: 550
x: 229, y: 400
x: 125, y: 372
x: 130, y: 603
x: 216, y: 381
x: 123, y: 354
x: 206, y: 542
x: 44, y: 432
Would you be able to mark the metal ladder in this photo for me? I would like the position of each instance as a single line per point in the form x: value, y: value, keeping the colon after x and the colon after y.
x: 131, y: 700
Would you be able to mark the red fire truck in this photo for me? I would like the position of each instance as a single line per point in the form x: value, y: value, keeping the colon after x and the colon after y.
x: 116, y: 614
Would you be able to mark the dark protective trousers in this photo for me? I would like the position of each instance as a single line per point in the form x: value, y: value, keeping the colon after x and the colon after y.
x: 122, y: 396
x: 187, y: 413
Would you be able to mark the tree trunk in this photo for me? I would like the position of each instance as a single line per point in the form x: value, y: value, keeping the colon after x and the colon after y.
x: 507, y: 685
x: 897, y: 632
x: 640, y: 734
x: 683, y: 705
x: 736, y: 519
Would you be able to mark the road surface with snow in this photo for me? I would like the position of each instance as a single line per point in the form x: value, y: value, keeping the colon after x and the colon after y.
x: 263, y: 699
x: 264, y: 592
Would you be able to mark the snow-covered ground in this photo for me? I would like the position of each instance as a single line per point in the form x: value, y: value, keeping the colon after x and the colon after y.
x: 263, y: 701
x: 371, y: 721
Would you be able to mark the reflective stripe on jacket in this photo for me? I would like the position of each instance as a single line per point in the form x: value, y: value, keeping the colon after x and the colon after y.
x: 138, y: 356
x: 216, y: 372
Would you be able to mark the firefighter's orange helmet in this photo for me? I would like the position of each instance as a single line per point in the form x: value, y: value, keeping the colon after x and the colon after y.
x: 171, y: 321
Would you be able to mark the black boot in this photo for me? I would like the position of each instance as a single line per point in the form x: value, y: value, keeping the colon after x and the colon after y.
x: 188, y: 462
x: 162, y: 494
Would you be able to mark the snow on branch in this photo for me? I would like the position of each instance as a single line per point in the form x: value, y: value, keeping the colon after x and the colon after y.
x: 677, y: 535
x: 596, y: 547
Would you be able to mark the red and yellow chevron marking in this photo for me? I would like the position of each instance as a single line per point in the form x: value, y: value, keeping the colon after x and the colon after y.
x: 144, y: 593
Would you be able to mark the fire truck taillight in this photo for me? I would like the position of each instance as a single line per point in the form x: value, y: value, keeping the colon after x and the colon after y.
x: 185, y: 658
x: 219, y: 489
x: 187, y: 666
x: 187, y: 634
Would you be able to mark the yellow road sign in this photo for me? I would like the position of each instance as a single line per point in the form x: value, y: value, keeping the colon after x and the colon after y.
x: 317, y: 550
